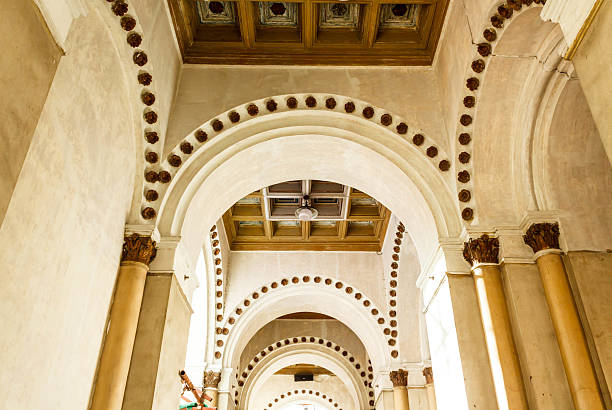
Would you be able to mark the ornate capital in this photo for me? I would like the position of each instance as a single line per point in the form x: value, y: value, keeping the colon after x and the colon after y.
x: 481, y: 250
x: 211, y: 379
x: 138, y: 248
x: 428, y: 373
x: 542, y: 236
x: 399, y: 378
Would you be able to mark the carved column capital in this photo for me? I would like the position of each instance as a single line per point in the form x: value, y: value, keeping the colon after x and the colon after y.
x: 542, y: 236
x: 428, y: 373
x: 138, y: 248
x: 481, y: 250
x: 399, y: 378
x: 211, y: 379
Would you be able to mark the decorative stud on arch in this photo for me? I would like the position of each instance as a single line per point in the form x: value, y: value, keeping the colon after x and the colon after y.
x: 302, y: 393
x: 215, y: 242
x: 366, y: 376
x: 267, y: 289
x: 140, y: 59
x: 392, y: 330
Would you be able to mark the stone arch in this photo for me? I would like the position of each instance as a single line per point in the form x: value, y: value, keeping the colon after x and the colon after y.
x: 303, y: 342
x: 314, y: 395
x: 302, y: 142
x: 494, y: 85
x: 313, y: 355
x: 309, y: 297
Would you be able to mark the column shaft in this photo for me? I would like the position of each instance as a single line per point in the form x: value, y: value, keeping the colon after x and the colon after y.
x: 119, y: 342
x: 431, y: 396
x: 503, y: 358
x: 400, y: 398
x: 213, y: 394
x: 572, y: 342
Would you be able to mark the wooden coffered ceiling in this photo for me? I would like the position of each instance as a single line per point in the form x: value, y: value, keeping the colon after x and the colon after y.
x: 348, y: 220
x: 308, y: 32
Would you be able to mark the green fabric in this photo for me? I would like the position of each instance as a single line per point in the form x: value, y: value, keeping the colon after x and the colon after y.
x: 188, y: 405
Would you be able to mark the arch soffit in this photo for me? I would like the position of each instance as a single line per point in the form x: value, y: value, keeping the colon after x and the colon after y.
x: 305, y: 342
x: 312, y: 355
x: 505, y: 23
x: 313, y: 298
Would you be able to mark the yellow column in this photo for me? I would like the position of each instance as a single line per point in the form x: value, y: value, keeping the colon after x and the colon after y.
x: 429, y: 386
x: 117, y: 350
x: 399, y: 379
x: 483, y: 253
x: 544, y: 240
x: 211, y: 386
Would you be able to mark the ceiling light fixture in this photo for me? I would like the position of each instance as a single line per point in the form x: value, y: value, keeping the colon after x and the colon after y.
x: 306, y: 212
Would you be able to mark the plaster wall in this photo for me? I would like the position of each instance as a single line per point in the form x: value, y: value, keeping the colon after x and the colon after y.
x: 279, y: 384
x: 63, y: 230
x: 543, y: 373
x: 454, y: 50
x: 592, y: 272
x: 462, y: 377
x: 250, y: 270
x: 578, y: 174
x: 206, y: 91
x: 282, y: 329
x: 417, y: 398
x: 593, y: 64
x: 30, y: 58
x: 385, y: 400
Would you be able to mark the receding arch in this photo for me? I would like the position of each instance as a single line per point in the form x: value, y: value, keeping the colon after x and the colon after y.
x: 312, y: 298
x: 312, y: 355
x: 304, y: 342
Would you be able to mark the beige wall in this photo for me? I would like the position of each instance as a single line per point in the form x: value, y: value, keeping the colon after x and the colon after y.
x: 592, y: 273
x: 251, y: 270
x: 593, y: 62
x: 206, y: 91
x: 462, y: 377
x: 543, y: 373
x: 452, y: 58
x: 160, y: 346
x: 29, y: 60
x: 62, y: 234
x: 578, y: 175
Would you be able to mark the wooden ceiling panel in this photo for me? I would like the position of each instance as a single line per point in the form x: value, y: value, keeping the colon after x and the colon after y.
x: 348, y: 220
x: 308, y: 32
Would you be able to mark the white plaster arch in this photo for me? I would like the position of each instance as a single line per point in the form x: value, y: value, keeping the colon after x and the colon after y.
x: 310, y: 144
x: 297, y: 397
x: 311, y: 355
x: 311, y: 298
x: 301, y: 340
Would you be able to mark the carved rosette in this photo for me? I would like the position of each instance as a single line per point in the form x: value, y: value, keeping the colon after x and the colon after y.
x: 428, y: 373
x: 211, y: 379
x: 542, y: 236
x: 481, y: 250
x: 138, y: 248
x: 399, y: 378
